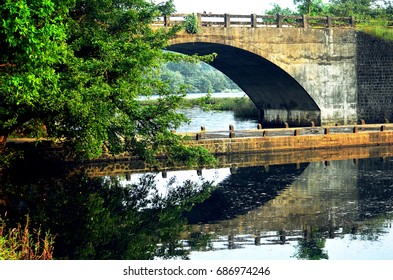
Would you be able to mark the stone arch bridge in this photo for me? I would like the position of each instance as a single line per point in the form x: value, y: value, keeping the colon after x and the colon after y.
x: 298, y: 69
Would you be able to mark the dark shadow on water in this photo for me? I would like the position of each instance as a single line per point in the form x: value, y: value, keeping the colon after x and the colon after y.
x: 247, y: 189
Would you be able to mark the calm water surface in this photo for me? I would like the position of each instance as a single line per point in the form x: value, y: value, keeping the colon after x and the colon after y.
x: 214, y: 120
x: 317, y: 210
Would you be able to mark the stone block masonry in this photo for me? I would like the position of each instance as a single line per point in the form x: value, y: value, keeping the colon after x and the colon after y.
x: 374, y: 69
x: 291, y: 143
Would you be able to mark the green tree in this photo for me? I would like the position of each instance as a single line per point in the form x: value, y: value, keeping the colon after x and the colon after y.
x: 311, y: 7
x: 167, y: 8
x: 32, y: 44
x: 78, y: 70
x: 311, y: 247
x: 278, y: 10
x: 198, y: 77
x: 363, y: 9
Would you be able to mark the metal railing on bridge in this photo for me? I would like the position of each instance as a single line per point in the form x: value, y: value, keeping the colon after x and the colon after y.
x: 254, y: 20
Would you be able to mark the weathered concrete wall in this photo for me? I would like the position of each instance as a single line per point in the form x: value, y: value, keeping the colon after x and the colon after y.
x: 374, y: 70
x: 322, y: 61
x: 288, y: 143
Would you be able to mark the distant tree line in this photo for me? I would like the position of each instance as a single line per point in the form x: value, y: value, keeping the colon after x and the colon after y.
x: 361, y: 9
x: 199, y: 77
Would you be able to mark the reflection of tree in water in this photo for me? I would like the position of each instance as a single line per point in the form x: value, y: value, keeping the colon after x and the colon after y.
x: 311, y: 246
x: 99, y: 218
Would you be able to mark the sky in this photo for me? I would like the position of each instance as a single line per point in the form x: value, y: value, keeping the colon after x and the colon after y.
x: 230, y: 6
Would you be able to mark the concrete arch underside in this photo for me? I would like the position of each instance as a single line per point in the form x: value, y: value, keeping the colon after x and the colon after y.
x: 279, y: 97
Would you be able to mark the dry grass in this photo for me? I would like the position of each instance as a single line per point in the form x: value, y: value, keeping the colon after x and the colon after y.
x: 21, y: 244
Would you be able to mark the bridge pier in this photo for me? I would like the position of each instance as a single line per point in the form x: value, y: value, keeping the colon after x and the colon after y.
x: 294, y: 118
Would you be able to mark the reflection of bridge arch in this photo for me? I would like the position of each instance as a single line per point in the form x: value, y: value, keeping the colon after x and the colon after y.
x: 271, y: 88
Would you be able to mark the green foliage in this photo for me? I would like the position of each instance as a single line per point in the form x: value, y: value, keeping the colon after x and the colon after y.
x: 276, y: 9
x: 361, y: 9
x: 107, y: 217
x: 312, y: 246
x: 73, y: 71
x: 378, y: 31
x: 311, y: 7
x: 198, y: 77
x: 191, y: 156
x: 166, y: 8
x: 242, y: 107
x: 372, y: 17
x: 9, y: 155
x: 191, y: 24
x: 32, y: 44
x: 20, y: 244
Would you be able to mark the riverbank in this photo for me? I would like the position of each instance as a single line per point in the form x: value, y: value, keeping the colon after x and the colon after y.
x: 242, y: 107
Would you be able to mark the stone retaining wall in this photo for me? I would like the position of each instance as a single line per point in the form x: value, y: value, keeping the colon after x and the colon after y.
x: 300, y: 142
x: 374, y: 70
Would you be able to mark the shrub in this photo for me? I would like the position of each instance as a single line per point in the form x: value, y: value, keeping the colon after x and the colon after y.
x: 20, y: 244
x: 191, y: 24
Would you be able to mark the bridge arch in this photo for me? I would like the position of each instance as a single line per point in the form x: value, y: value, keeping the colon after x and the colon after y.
x: 277, y: 95
x: 321, y: 60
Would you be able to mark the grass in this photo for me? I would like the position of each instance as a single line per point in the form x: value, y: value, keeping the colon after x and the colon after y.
x: 380, y: 29
x: 20, y: 244
x: 379, y: 32
x: 242, y: 107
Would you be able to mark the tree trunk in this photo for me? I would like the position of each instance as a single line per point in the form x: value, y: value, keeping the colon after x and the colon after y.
x: 3, y: 142
x: 309, y: 7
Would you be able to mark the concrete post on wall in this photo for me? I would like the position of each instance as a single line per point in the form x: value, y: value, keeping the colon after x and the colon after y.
x: 254, y: 21
x: 227, y: 20
x: 199, y: 18
x: 353, y: 22
x: 305, y: 21
x: 167, y: 20
x: 232, y: 133
x: 279, y: 20
x: 329, y: 22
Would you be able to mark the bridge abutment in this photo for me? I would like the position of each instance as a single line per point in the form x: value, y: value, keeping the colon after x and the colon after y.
x: 374, y: 70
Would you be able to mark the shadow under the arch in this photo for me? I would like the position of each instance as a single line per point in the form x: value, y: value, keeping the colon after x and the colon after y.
x: 278, y: 96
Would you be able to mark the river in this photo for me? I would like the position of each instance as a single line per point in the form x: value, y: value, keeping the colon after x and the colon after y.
x: 327, y: 209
